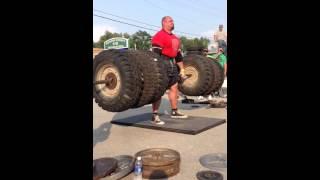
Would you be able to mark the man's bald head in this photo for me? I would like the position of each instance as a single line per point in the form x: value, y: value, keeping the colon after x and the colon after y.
x: 167, y: 23
x: 164, y: 19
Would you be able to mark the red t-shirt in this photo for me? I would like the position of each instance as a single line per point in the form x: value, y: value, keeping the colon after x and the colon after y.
x: 169, y: 43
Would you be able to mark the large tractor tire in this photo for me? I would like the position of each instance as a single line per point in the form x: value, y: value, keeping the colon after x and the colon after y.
x: 218, y: 76
x: 160, y: 78
x: 152, y: 76
x: 116, y: 79
x: 201, y: 75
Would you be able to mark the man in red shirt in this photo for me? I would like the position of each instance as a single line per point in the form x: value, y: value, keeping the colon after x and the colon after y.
x: 167, y: 45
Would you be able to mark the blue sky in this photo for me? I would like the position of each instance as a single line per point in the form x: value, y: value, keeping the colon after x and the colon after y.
x: 195, y: 17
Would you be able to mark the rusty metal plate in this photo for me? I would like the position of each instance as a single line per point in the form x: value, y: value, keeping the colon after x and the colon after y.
x: 158, y: 156
x: 125, y: 165
x: 209, y: 175
x: 159, y: 172
x: 103, y: 167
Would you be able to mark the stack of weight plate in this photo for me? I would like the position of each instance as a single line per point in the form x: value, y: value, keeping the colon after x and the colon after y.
x: 159, y: 163
x: 217, y: 163
x: 112, y: 168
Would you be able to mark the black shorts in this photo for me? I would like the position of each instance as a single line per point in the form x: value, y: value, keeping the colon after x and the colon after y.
x: 173, y: 72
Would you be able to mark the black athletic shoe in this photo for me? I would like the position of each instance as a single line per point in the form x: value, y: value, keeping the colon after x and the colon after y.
x: 156, y: 120
x: 177, y: 114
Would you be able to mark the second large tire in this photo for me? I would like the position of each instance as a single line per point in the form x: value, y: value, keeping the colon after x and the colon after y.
x: 218, y: 77
x: 201, y: 75
x: 153, y: 76
x: 161, y: 79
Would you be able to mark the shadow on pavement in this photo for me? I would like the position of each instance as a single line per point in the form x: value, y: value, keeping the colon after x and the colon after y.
x: 101, y: 133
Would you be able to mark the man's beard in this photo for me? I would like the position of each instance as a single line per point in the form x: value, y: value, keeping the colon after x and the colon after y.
x: 172, y: 28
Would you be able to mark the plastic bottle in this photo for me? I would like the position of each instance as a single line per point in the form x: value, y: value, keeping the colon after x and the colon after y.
x: 138, y: 168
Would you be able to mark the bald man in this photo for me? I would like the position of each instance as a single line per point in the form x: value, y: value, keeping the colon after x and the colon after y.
x: 167, y: 45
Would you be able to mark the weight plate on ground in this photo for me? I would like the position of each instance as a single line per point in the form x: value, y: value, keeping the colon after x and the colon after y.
x: 158, y: 156
x: 103, y: 167
x: 214, y: 160
x: 125, y: 165
x: 209, y: 175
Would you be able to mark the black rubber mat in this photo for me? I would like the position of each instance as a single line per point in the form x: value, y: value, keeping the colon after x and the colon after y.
x: 191, y: 125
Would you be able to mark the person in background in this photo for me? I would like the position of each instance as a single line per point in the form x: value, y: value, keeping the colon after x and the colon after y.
x: 220, y: 37
x: 222, y: 60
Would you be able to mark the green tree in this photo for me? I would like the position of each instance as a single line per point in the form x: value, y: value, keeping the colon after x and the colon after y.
x: 140, y: 40
x: 107, y: 35
x: 195, y: 42
x: 126, y: 35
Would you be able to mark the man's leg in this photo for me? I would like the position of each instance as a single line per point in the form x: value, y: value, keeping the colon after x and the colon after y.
x: 174, y: 101
x: 220, y: 43
x: 172, y: 95
x: 155, y: 115
x: 156, y: 106
x: 224, y: 47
